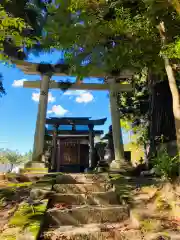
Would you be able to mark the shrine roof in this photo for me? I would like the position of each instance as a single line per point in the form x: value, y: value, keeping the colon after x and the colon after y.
x: 72, y: 133
x: 70, y: 128
x: 75, y: 121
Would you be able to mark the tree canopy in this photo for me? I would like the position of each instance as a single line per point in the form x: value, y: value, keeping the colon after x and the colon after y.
x: 120, y: 34
x: 113, y: 35
x: 20, y: 24
x: 14, y: 158
x: 104, y: 36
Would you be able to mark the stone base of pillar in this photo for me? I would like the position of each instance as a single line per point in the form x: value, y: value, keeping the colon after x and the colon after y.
x: 35, y: 167
x: 116, y: 165
x: 101, y: 169
x: 89, y: 170
x: 33, y: 164
x: 102, y: 166
x: 119, y: 166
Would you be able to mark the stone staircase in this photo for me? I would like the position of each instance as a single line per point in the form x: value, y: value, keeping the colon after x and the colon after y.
x: 84, y: 206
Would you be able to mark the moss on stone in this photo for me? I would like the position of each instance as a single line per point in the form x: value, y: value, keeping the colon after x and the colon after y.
x: 12, y: 190
x: 162, y: 205
x: 147, y: 189
x: 28, y: 219
x: 9, y: 238
x: 149, y: 225
x: 17, y: 185
x: 36, y: 169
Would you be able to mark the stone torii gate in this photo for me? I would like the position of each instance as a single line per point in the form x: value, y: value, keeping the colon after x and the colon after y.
x: 46, y: 71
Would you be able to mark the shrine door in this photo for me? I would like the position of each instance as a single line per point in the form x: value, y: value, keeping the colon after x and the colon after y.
x: 69, y: 157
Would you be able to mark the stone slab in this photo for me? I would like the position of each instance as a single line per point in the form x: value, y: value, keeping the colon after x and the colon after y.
x: 98, y: 198
x: 82, y: 188
x: 86, y: 215
x: 110, y: 231
x: 82, y: 178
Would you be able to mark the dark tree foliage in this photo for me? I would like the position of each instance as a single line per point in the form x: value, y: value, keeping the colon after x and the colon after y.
x: 34, y: 14
x: 150, y: 108
x: 151, y: 100
x: 2, y: 90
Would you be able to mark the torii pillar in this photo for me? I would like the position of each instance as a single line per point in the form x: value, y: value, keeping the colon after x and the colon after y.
x: 119, y: 161
x: 38, y: 147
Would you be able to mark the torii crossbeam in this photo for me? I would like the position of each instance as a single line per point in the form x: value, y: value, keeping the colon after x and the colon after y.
x: 76, y: 86
x: 46, y: 71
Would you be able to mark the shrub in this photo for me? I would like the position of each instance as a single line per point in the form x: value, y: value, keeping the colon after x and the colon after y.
x: 166, y: 166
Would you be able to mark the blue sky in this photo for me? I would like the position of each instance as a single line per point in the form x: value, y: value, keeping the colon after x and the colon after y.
x: 18, y: 109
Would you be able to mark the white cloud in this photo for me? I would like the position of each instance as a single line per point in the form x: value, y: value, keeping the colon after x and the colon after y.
x: 19, y: 83
x: 75, y: 92
x: 36, y: 95
x: 57, y: 110
x: 51, y: 98
x: 82, y: 96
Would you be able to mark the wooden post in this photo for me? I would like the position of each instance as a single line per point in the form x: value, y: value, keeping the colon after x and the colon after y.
x: 57, y: 163
x: 91, y: 146
x: 41, y: 120
x: 79, y: 155
x: 54, y: 148
x: 116, y: 129
x: 58, y: 156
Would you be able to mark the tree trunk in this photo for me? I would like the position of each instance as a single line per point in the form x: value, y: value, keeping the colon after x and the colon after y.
x: 152, y: 80
x: 175, y: 97
x: 146, y: 154
x: 173, y: 87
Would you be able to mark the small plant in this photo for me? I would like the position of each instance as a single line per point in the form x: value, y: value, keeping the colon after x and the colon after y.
x: 164, y: 165
x: 2, y: 202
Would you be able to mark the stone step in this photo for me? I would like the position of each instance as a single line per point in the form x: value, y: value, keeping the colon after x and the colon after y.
x: 82, y: 188
x: 111, y: 231
x: 81, y: 178
x: 169, y: 235
x: 98, y: 198
x: 86, y: 215
x: 136, y: 182
x: 150, y: 217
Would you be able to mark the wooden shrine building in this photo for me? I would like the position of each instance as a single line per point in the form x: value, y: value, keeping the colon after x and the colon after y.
x: 72, y: 143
